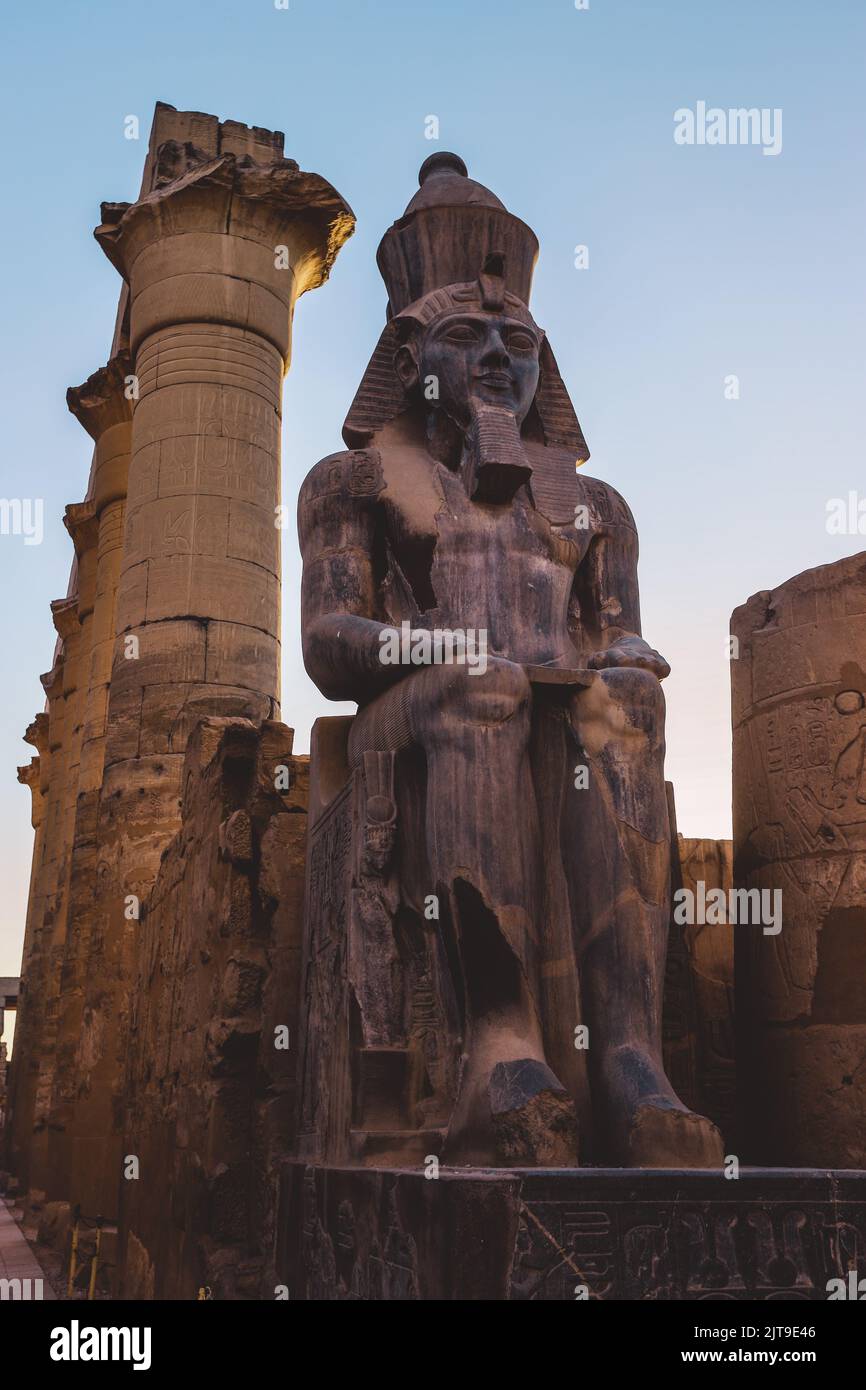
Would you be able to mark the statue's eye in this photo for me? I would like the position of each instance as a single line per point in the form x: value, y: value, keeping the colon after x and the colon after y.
x: 521, y: 342
x: 461, y: 333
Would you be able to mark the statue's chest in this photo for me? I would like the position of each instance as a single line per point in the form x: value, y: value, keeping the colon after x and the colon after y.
x: 471, y: 558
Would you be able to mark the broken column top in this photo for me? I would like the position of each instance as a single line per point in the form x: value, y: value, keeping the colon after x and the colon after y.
x: 210, y: 134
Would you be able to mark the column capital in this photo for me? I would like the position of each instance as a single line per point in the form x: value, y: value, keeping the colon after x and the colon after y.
x: 29, y: 776
x: 178, y: 233
x: 64, y: 613
x: 52, y: 681
x: 101, y: 401
x: 81, y: 520
x: 101, y: 405
x: 36, y: 733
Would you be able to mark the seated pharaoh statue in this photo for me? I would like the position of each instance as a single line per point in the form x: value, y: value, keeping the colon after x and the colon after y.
x: 488, y: 877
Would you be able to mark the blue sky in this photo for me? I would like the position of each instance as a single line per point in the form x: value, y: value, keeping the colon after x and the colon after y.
x: 704, y: 262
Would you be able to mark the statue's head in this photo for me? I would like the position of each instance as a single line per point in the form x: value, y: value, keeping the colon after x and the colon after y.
x: 471, y: 357
x: 460, y: 344
x: 469, y: 346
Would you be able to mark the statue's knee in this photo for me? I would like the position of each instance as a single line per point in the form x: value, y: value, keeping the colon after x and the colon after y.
x: 622, y: 703
x: 638, y: 694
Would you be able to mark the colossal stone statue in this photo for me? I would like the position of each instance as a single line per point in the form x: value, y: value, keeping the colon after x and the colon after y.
x: 505, y: 853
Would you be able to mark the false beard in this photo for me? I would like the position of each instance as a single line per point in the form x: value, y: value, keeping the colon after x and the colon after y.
x: 494, y: 463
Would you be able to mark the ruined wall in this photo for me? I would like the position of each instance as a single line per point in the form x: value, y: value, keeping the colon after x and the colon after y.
x: 799, y: 715
x: 210, y: 1096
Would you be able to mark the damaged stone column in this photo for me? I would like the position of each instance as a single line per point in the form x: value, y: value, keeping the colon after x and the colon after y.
x: 799, y: 716
x: 73, y: 619
x: 33, y: 1079
x: 103, y: 406
x: 35, y: 775
x: 215, y: 257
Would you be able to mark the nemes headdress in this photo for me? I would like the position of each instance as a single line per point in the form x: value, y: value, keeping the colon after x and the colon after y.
x: 456, y: 247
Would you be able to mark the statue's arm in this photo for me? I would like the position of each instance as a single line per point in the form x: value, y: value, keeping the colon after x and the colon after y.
x: 340, y: 630
x: 605, y: 601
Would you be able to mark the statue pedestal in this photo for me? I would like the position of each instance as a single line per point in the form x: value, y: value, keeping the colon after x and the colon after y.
x: 519, y: 1234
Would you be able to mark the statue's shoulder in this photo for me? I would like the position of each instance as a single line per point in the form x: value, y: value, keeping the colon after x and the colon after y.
x: 349, y: 474
x: 606, y: 507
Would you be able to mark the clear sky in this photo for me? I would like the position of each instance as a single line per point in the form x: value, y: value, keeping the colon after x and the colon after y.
x: 705, y: 262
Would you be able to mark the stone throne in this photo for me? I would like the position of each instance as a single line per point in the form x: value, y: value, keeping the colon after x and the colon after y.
x: 488, y: 862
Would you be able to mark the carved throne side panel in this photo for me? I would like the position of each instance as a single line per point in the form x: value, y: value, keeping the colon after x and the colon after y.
x: 376, y: 1057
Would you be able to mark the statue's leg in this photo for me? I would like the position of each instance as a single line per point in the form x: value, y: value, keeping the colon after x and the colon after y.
x: 619, y: 842
x: 483, y: 853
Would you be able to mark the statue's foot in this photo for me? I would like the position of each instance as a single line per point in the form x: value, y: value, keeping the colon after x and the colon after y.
x: 647, y: 1124
x: 534, y: 1119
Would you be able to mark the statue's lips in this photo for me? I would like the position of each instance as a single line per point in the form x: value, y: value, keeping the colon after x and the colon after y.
x: 500, y: 381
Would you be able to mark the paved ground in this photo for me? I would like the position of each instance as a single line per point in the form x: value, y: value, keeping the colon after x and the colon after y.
x: 17, y: 1260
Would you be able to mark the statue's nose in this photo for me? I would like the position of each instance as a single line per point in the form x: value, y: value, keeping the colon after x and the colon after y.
x: 496, y: 354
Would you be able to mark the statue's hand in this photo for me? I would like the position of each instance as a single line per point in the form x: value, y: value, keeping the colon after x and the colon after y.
x: 630, y: 651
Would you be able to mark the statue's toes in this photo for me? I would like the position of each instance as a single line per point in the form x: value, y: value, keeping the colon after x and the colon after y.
x: 666, y: 1136
x: 534, y: 1119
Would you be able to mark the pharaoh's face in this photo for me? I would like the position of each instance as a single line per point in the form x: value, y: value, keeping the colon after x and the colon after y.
x: 472, y: 358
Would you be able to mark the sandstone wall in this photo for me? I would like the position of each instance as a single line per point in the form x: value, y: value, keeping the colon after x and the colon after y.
x: 210, y: 1097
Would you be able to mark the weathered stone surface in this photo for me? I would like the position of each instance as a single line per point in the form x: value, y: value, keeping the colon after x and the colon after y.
x: 799, y: 708
x: 173, y: 613
x: 267, y: 1051
x: 533, y: 1115
x: 471, y: 903
x: 699, y: 990
x: 210, y: 1082
x: 554, y: 1236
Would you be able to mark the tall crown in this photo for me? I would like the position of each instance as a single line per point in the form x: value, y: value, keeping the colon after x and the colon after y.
x: 448, y: 231
x: 457, y: 244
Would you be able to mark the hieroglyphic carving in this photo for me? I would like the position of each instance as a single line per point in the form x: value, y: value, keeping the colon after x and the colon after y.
x: 607, y: 1235
x: 324, y: 976
x: 799, y: 692
x: 640, y: 1250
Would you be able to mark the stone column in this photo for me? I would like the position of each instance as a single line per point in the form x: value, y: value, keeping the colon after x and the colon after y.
x: 32, y: 1078
x: 215, y: 257
x: 103, y: 406
x: 72, y: 619
x: 799, y: 716
x: 35, y: 776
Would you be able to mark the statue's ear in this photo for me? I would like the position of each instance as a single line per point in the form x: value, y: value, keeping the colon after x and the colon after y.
x: 406, y: 367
